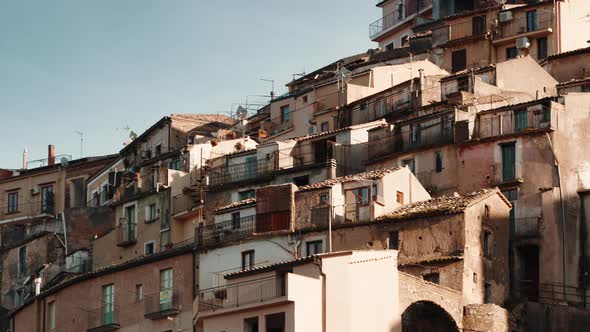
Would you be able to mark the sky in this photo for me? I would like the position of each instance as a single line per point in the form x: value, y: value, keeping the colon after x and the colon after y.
x: 100, y: 66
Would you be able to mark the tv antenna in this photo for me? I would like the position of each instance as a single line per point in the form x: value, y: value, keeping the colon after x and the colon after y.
x: 272, y: 92
x: 81, y: 134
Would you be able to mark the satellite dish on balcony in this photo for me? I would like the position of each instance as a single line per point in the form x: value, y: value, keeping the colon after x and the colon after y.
x: 241, y: 112
x: 64, y: 161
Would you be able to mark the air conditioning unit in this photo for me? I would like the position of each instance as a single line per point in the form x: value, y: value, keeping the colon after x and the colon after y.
x: 505, y: 16
x: 523, y: 42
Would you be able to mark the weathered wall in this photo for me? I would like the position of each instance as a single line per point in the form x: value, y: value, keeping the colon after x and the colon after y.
x: 485, y: 318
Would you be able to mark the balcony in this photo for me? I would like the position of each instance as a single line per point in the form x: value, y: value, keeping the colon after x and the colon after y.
x: 416, y: 136
x: 163, y: 304
x: 381, y: 25
x: 505, y: 174
x: 103, y: 319
x: 519, y: 27
x: 126, y: 233
x: 515, y: 122
x: 240, y: 172
x: 223, y: 232
x: 320, y: 216
x: 526, y: 227
x: 241, y: 294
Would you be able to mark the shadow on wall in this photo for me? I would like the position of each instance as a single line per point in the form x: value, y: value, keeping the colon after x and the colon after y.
x: 426, y: 316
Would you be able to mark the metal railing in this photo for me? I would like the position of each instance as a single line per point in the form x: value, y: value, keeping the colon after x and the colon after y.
x: 514, y: 121
x: 240, y: 172
x: 236, y: 295
x: 423, y: 137
x: 105, y: 316
x: 518, y: 25
x: 273, y: 221
x: 357, y: 212
x: 320, y: 215
x: 126, y: 233
x: 29, y: 208
x: 387, y: 21
x: 226, y: 231
x: 526, y: 227
x: 164, y: 303
x: 389, y: 104
x: 552, y: 293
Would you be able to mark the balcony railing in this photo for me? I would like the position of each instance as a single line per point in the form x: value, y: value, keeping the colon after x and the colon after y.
x: 27, y: 209
x: 240, y: 172
x: 126, y: 233
x: 416, y: 138
x: 226, y: 231
x: 105, y: 318
x: 273, y: 221
x: 514, y: 122
x: 519, y: 25
x: 526, y: 227
x: 357, y: 212
x: 385, y: 23
x: 236, y: 295
x: 163, y: 304
x: 552, y: 293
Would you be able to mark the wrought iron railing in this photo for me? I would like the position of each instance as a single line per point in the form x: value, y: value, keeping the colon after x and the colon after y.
x: 240, y: 172
x: 552, y: 293
x: 164, y: 303
x: 107, y: 316
x: 514, y: 121
x: 386, y: 22
x: 126, y: 233
x: 236, y: 295
x: 226, y: 231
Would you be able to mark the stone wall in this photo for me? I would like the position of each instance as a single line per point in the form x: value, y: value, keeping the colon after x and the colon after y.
x: 485, y: 318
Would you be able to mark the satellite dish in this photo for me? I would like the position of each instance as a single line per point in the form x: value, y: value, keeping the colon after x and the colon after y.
x: 242, y: 113
x: 64, y: 161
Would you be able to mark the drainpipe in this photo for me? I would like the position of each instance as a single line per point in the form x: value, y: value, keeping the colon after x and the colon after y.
x: 330, y: 211
x: 318, y: 261
x: 584, y: 273
x: 63, y: 219
x: 562, y: 207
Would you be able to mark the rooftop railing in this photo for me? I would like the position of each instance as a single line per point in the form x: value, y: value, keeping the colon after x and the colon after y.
x: 226, y: 231
x: 240, y: 172
x: 240, y: 294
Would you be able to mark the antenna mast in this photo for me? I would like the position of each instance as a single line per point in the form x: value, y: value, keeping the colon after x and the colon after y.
x: 81, y: 134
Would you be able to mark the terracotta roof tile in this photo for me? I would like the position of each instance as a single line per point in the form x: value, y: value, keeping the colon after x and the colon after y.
x: 372, y: 175
x: 243, y: 202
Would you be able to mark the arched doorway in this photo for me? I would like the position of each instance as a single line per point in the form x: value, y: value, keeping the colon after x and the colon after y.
x: 425, y: 316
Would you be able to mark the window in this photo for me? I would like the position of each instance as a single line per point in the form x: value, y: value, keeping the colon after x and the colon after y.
x: 374, y: 192
x: 474, y: 278
x: 508, y: 161
x: 411, y: 163
x: 393, y: 240
x: 389, y: 46
x: 284, y: 113
x: 165, y: 231
x: 166, y: 289
x: 323, y: 199
x: 242, y: 195
x: 47, y: 199
x: 95, y: 199
x: 235, y: 220
x: 486, y: 213
x: 158, y: 149
x: 314, y: 247
x: 487, y: 294
x: 542, y: 48
x: 531, y: 20
x: 415, y: 135
x: 511, y: 53
x: 152, y: 214
x: 148, y: 248
x: 458, y: 60
x: 404, y: 41
x: 251, y: 324
x: 325, y: 126
x: 487, y: 243
x: 463, y: 84
x: 301, y: 180
x: 438, y: 166
x: 175, y: 164
x: 247, y: 260
x: 104, y: 193
x: 130, y: 222
x: 361, y: 195
x: 19, y: 297
x: 22, y: 261
x: 13, y: 202
x: 304, y: 99
x: 51, y: 309
x: 520, y: 120
x: 399, y: 197
x: 479, y: 25
x: 432, y: 277
x: 138, y: 293
x: 154, y: 178
x: 108, y: 304
x: 511, y: 196
x: 275, y: 322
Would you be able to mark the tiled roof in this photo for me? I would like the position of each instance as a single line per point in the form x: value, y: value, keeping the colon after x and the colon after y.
x: 574, y: 81
x: 468, y: 70
x: 380, y: 123
x: 372, y: 175
x: 423, y: 260
x: 566, y: 54
x: 243, y: 202
x: 443, y: 205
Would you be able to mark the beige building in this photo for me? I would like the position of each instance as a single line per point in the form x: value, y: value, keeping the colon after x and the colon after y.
x: 394, y: 27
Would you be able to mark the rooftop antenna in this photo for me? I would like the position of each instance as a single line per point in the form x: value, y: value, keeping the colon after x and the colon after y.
x: 81, y: 134
x: 272, y: 92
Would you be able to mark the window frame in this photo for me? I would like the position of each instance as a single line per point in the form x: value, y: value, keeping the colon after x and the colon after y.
x: 285, y: 113
x: 250, y: 255
x: 393, y: 236
x: 52, y: 315
x: 12, y: 198
x: 316, y: 244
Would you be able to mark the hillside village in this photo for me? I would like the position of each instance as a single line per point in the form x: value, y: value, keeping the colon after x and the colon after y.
x: 439, y: 182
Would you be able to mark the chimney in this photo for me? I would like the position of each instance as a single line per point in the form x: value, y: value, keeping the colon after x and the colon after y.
x: 272, y: 95
x: 51, y: 155
x: 25, y: 159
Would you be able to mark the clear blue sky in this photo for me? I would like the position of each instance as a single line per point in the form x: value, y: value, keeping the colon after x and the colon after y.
x: 100, y: 65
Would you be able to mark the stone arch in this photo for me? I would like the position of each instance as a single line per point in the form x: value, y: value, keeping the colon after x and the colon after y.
x: 427, y: 316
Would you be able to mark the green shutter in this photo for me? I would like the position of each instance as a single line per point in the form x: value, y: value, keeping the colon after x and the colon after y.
x: 508, y: 162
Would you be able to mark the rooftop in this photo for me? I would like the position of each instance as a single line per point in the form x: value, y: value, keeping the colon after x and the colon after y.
x: 566, y: 54
x: 443, y: 205
x: 372, y: 175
